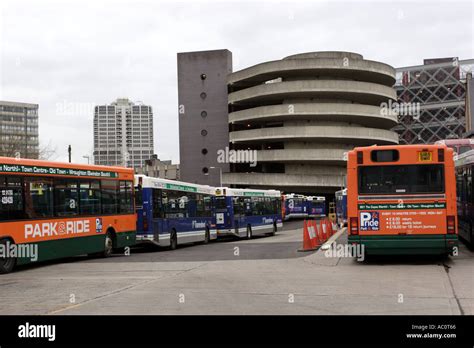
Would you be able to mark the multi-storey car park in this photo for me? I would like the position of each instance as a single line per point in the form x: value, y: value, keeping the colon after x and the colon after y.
x: 302, y: 114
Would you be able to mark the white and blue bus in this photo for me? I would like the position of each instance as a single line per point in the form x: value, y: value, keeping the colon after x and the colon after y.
x: 172, y: 212
x: 295, y: 206
x: 247, y: 212
x: 316, y: 206
x: 341, y: 207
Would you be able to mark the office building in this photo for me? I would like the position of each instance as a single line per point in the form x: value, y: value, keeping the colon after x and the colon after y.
x: 156, y: 168
x: 19, y: 130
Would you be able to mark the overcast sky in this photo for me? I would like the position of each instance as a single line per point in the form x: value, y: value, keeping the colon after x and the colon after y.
x: 67, y: 56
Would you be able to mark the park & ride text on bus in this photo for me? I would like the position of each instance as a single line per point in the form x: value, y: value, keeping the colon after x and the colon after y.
x: 63, y: 209
x: 402, y: 199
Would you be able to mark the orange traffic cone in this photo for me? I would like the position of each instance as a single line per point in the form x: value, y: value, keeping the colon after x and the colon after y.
x: 317, y: 233
x: 308, y: 237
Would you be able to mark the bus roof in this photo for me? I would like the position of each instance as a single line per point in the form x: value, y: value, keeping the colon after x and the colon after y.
x: 229, y: 192
x: 400, y: 147
x: 451, y: 142
x: 166, y: 184
x: 315, y: 198
x: 342, y: 192
x: 24, y: 166
x: 464, y: 159
x: 293, y: 195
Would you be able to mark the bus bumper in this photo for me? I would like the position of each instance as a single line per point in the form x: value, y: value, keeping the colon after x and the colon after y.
x: 406, y: 244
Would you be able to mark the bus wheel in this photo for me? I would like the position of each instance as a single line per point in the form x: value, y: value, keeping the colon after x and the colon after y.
x: 249, y: 232
x: 6, y: 263
x: 173, y: 240
x: 109, y: 244
x: 207, y: 236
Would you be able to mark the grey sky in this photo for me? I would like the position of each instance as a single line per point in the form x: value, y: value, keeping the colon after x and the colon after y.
x: 70, y: 55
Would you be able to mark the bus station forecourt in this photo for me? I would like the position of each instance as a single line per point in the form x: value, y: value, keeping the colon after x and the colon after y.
x: 109, y: 239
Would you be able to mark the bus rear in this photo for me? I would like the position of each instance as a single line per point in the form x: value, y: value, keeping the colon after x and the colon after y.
x: 316, y: 206
x: 402, y: 199
x: 341, y: 207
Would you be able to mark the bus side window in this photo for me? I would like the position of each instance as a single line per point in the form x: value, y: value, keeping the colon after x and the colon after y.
x: 126, y: 197
x: 109, y: 190
x: 11, y: 198
x: 89, y: 197
x: 192, y: 206
x: 38, y: 197
x: 66, y: 197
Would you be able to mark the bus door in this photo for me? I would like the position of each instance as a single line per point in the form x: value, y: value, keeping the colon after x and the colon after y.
x: 242, y: 206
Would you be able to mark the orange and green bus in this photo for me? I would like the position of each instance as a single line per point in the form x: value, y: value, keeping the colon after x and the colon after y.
x: 402, y: 199
x: 63, y: 209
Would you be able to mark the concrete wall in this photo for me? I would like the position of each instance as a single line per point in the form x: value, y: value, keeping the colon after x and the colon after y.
x: 303, y: 113
x: 216, y: 65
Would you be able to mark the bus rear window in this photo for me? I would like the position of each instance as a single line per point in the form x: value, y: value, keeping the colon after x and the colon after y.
x: 384, y: 155
x: 401, y: 179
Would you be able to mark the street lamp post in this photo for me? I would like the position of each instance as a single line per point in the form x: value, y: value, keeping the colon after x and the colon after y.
x: 88, y: 158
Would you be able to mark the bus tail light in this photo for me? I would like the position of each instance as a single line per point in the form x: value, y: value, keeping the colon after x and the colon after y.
x: 451, y: 224
x: 360, y: 157
x: 440, y: 155
x: 354, y: 225
x: 145, y: 223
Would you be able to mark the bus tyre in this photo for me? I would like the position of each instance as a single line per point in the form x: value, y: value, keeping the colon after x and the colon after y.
x: 6, y: 263
x: 109, y: 244
x: 173, y: 240
x: 249, y: 232
x: 207, y: 236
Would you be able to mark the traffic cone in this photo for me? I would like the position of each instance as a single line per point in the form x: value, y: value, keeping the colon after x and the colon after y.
x: 324, y: 230
x: 308, y: 237
x: 317, y: 233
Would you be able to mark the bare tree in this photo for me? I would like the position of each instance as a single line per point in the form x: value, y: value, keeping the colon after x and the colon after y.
x: 16, y: 148
x: 47, y: 152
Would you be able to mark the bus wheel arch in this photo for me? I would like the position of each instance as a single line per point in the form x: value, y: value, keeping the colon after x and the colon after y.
x: 110, y: 241
x: 7, y: 265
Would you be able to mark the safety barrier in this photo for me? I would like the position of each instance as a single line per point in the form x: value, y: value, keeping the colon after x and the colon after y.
x: 316, y: 233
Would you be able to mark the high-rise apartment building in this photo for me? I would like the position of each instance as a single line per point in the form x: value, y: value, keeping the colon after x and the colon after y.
x: 123, y: 133
x: 19, y: 130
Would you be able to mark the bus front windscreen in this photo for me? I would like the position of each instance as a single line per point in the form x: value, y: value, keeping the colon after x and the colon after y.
x: 401, y: 179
